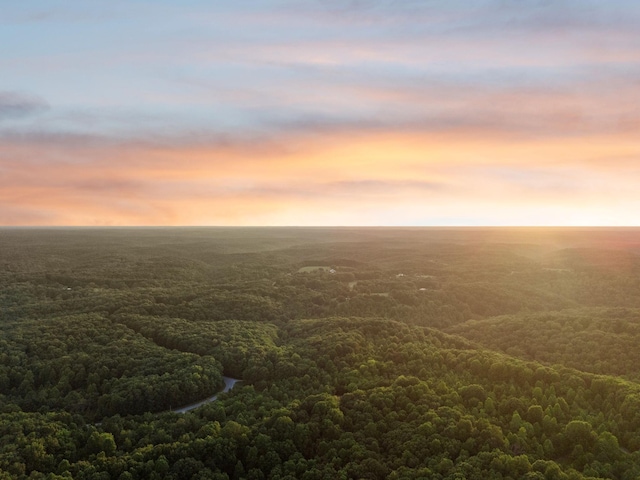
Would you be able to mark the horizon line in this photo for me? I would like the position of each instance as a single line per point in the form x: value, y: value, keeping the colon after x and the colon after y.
x: 313, y: 226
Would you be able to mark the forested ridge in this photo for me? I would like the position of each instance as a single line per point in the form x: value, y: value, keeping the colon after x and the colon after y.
x: 363, y: 353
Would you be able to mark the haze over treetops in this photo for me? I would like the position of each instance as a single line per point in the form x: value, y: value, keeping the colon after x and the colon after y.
x: 319, y: 113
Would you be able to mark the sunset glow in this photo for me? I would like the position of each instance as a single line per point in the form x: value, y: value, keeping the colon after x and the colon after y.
x: 320, y: 113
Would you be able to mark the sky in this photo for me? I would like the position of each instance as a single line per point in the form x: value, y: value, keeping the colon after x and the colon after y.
x: 405, y: 112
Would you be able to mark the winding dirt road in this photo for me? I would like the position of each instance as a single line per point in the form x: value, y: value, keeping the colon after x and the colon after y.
x: 228, y: 385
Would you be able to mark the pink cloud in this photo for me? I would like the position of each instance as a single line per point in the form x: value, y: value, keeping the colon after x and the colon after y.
x: 355, y: 177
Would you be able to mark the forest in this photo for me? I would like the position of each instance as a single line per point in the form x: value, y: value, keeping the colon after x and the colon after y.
x: 361, y: 353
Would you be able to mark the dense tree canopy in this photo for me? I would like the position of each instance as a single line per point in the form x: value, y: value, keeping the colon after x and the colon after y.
x: 363, y: 354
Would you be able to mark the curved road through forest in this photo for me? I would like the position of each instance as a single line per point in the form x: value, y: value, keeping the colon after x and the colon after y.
x: 228, y: 385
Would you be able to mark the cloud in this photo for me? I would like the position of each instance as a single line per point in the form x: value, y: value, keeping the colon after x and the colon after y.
x: 17, y: 105
x: 362, y: 177
x: 362, y: 112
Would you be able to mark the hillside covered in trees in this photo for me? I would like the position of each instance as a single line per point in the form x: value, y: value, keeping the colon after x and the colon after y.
x: 362, y: 353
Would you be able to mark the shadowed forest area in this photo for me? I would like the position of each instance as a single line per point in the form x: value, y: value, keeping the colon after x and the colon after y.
x: 364, y: 353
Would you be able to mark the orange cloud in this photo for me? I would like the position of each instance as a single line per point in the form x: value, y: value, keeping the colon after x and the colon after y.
x: 356, y: 177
